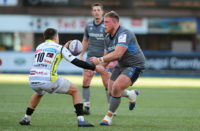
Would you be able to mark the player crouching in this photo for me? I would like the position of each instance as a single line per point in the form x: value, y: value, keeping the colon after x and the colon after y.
x: 43, y: 76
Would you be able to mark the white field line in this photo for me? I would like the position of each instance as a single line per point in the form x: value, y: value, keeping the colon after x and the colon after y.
x: 141, y: 82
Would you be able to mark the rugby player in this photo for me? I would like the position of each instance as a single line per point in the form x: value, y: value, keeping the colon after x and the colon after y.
x: 120, y: 44
x: 43, y: 76
x: 93, y: 42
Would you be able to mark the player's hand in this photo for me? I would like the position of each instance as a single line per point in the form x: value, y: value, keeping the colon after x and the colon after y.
x: 99, y: 69
x: 112, y: 64
x: 94, y: 60
x: 67, y: 44
x: 81, y: 57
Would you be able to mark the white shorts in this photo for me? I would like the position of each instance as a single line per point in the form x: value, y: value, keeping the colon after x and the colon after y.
x: 61, y: 85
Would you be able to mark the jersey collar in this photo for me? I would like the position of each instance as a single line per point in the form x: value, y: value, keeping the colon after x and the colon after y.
x: 98, y: 24
x: 114, y: 34
x: 49, y: 41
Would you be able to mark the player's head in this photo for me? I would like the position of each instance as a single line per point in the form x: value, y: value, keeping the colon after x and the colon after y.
x: 111, y: 21
x: 51, y: 34
x: 97, y: 10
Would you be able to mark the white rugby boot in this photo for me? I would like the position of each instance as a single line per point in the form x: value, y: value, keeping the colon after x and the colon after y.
x: 132, y: 98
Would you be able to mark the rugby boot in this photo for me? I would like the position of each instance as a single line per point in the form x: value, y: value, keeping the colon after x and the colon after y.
x: 25, y: 121
x: 85, y: 124
x: 132, y: 98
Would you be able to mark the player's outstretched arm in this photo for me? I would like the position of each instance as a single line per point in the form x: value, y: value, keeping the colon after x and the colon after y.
x: 66, y: 54
x: 83, y: 64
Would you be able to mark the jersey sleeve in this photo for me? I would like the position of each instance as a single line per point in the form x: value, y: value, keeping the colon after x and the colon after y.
x: 67, y: 54
x: 85, y: 35
x: 123, y: 39
x: 105, y: 46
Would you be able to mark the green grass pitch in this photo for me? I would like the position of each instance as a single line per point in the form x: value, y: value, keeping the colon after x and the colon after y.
x: 164, y: 104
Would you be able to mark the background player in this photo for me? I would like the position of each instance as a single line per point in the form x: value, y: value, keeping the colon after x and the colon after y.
x: 43, y: 76
x: 93, y: 41
x: 120, y: 44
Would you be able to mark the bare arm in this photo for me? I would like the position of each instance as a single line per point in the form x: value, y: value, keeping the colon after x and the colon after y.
x: 85, y: 46
x: 115, y: 55
x: 109, y: 65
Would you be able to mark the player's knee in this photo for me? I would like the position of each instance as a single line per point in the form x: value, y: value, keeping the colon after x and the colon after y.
x: 107, y: 74
x: 86, y: 82
x: 88, y: 73
x: 72, y: 90
x: 87, y: 77
x: 116, y: 91
x: 76, y: 90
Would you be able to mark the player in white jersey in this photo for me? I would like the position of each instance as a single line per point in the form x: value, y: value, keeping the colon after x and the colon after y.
x: 43, y: 75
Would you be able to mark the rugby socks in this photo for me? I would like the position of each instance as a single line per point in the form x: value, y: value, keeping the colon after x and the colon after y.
x: 29, y: 111
x: 108, y: 117
x: 108, y: 96
x: 114, y: 103
x: 79, y: 111
x: 80, y: 118
x: 86, y: 96
x: 124, y: 93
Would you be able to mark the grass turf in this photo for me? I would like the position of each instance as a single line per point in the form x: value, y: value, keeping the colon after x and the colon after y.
x: 157, y: 109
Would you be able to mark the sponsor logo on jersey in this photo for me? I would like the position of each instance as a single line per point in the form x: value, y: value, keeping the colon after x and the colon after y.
x: 130, y: 74
x: 111, y: 48
x: 50, y: 55
x: 122, y: 38
x: 42, y: 78
x: 39, y: 50
x: 47, y: 61
x: 50, y: 50
x: 40, y: 65
x: 33, y: 72
x: 98, y: 36
x: 101, y: 29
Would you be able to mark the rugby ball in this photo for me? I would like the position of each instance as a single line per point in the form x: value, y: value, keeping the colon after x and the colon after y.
x: 75, y: 47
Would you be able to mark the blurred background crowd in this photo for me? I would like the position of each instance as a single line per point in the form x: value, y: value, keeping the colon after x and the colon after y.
x: 168, y: 31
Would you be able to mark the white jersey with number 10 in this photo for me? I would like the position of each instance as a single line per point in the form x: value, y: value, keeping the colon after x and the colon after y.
x: 47, y: 57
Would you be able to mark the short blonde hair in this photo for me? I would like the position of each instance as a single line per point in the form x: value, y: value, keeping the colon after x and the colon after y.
x: 112, y: 14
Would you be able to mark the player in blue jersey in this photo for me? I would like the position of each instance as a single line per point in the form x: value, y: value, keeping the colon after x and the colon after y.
x: 93, y: 42
x: 120, y: 44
